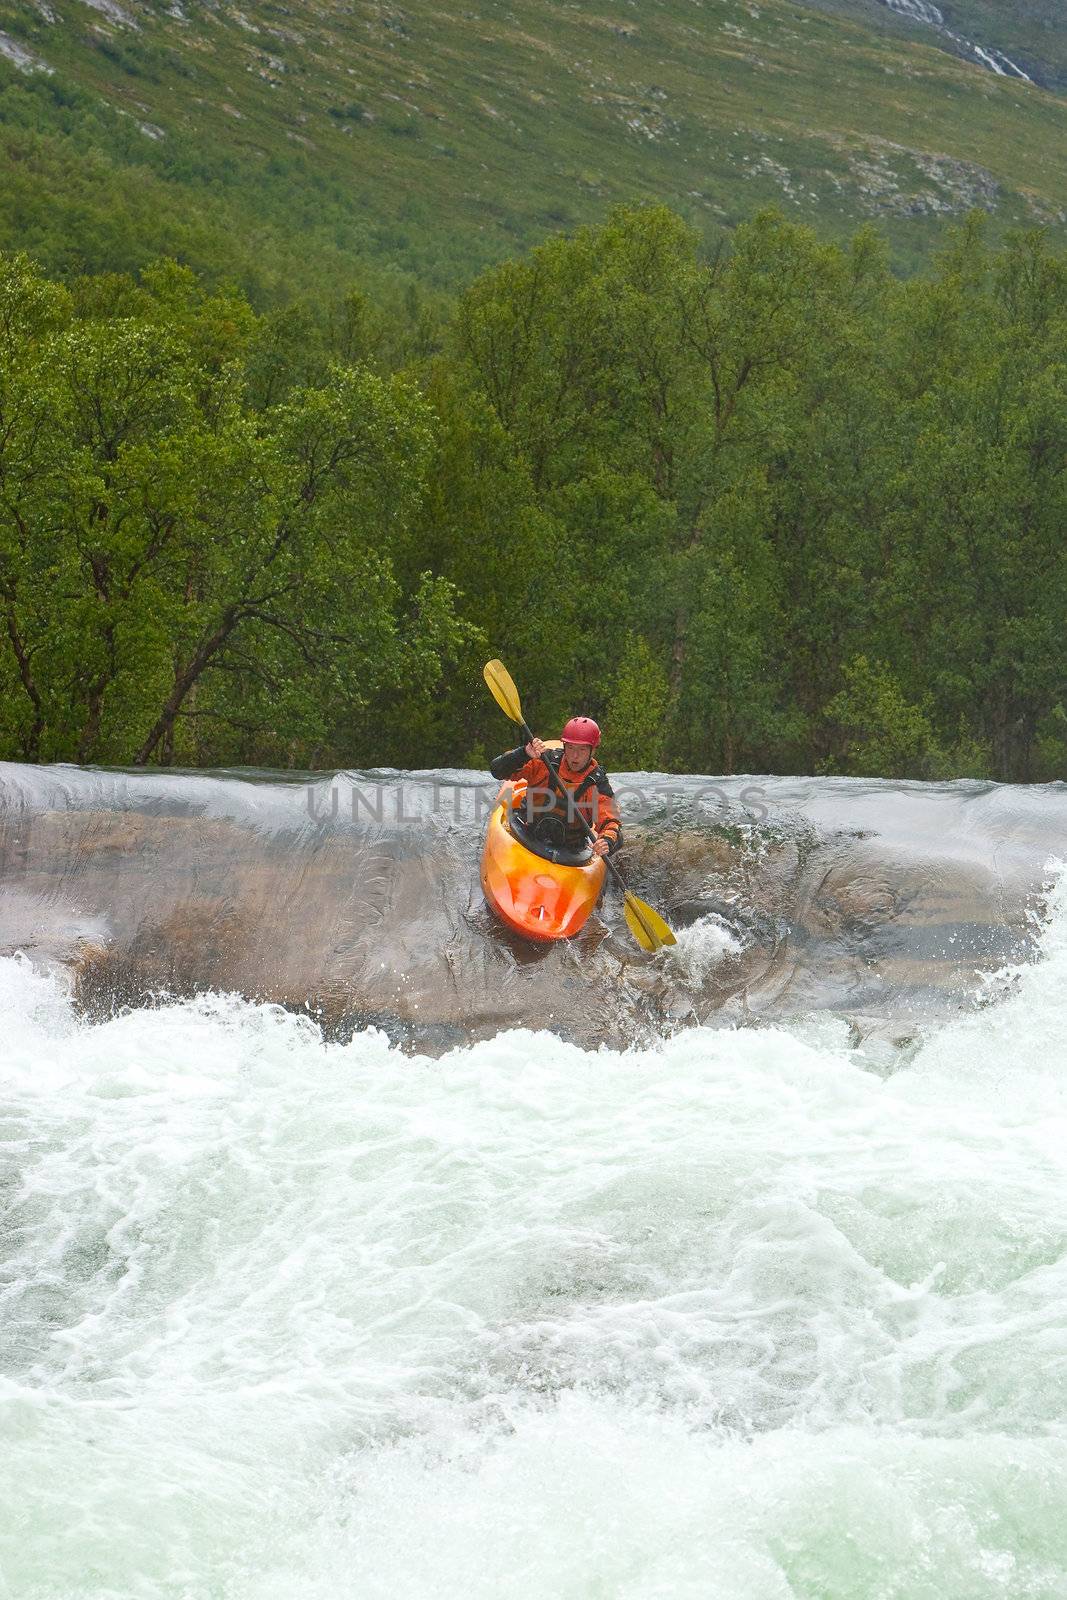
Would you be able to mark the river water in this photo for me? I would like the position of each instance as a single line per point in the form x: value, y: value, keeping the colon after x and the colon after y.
x: 742, y: 1312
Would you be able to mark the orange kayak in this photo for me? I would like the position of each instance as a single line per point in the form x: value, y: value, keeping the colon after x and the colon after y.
x: 540, y: 891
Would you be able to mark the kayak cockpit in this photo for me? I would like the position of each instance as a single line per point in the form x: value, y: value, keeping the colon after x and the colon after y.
x: 538, y: 889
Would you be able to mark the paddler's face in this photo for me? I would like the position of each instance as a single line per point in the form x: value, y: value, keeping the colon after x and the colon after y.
x: 577, y: 755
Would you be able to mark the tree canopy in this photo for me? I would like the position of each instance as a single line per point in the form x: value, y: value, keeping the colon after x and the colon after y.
x: 771, y: 509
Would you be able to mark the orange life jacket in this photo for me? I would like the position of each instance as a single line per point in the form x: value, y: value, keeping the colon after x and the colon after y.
x: 588, y: 795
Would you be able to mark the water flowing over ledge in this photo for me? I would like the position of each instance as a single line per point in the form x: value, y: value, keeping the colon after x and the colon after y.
x: 355, y: 898
x: 763, y: 1313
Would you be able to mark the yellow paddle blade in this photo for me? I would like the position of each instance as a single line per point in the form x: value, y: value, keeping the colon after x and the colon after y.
x: 502, y: 688
x: 646, y: 925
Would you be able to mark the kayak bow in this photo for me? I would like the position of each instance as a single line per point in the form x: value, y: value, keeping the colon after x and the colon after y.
x: 535, y: 895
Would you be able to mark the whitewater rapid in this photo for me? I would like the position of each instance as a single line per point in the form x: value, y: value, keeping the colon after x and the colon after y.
x: 355, y: 898
x: 746, y: 1315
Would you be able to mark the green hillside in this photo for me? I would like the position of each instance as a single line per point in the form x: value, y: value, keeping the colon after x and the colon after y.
x: 436, y: 140
x: 1022, y: 36
x: 1032, y: 33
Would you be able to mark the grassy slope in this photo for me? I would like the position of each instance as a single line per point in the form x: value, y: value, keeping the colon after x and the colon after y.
x: 439, y: 139
x: 1032, y: 33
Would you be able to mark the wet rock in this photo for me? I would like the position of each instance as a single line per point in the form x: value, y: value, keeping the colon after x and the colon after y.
x: 355, y: 900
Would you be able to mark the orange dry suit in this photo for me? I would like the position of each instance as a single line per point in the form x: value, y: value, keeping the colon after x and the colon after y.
x: 553, y: 817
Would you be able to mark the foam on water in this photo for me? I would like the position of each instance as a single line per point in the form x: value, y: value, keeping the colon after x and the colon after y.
x: 733, y: 1316
x: 700, y: 948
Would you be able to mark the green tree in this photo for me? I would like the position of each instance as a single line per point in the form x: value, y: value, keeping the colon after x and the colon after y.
x: 173, y: 564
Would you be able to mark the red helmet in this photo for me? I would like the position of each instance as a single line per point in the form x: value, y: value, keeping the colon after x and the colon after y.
x: 581, y: 730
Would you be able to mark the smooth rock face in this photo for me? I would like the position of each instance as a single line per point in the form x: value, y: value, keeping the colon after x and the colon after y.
x: 356, y: 898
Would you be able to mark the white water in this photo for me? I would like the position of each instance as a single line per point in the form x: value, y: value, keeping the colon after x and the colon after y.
x: 733, y: 1318
x: 923, y: 11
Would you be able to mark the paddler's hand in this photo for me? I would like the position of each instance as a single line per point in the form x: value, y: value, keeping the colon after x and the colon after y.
x: 601, y: 848
x: 536, y: 747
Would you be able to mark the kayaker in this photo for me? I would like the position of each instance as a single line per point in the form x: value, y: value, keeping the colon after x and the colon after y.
x: 589, y: 794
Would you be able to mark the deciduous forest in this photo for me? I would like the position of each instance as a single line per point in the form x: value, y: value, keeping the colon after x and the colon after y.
x: 764, y: 507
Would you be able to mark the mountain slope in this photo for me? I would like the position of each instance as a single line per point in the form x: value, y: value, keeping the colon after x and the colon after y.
x: 439, y: 139
x: 1033, y: 32
x: 1021, y: 38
